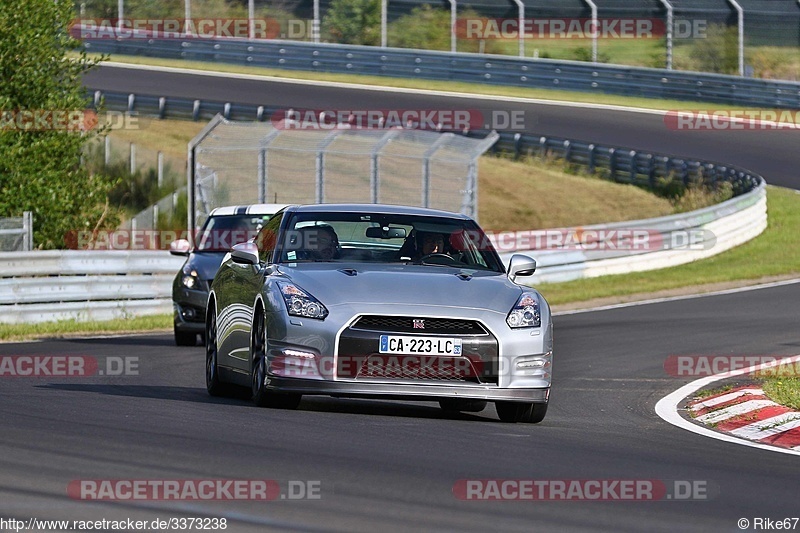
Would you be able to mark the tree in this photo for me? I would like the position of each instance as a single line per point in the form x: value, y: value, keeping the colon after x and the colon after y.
x: 353, y: 22
x: 40, y: 163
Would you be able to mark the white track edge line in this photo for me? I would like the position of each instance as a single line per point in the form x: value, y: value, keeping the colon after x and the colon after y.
x: 667, y: 408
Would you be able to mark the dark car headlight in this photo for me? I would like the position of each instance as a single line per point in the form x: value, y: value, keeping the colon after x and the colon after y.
x: 300, y: 303
x: 525, y: 313
x: 190, y: 279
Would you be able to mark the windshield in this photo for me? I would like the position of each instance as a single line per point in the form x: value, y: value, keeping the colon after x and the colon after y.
x: 221, y: 232
x: 382, y: 238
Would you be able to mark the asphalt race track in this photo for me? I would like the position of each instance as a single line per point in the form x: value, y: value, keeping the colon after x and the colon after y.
x: 391, y: 465
x: 387, y: 465
x: 773, y: 154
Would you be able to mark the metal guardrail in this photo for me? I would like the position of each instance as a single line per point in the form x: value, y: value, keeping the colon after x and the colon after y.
x: 672, y: 240
x: 463, y: 67
x: 50, y: 285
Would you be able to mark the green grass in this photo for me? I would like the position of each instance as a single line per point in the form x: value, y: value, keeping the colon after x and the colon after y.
x: 776, y: 252
x: 783, y: 390
x: 71, y: 327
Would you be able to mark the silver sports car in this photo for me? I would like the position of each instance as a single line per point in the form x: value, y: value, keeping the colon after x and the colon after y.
x: 379, y: 301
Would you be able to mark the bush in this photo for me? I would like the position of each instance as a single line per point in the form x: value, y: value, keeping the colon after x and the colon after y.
x: 719, y: 51
x: 353, y: 22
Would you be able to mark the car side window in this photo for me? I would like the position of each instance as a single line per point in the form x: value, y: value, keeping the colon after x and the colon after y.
x: 267, y: 238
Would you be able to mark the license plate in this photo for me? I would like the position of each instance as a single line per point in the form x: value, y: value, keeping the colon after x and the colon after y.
x: 405, y: 344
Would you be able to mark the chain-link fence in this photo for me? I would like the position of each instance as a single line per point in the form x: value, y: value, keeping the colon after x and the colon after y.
x: 234, y: 163
x: 16, y: 233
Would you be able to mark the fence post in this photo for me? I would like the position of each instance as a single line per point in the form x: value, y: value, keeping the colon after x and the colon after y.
x: 160, y: 170
x: 262, y: 174
x: 426, y: 167
x: 27, y: 226
x: 133, y: 158
x: 107, y: 151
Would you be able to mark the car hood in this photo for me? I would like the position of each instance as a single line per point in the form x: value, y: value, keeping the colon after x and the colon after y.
x: 405, y: 284
x: 205, y: 263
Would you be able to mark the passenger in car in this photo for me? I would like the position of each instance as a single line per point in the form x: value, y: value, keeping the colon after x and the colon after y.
x: 321, y: 243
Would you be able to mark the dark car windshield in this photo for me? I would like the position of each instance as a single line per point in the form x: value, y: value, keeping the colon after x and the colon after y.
x: 221, y: 232
x: 387, y: 238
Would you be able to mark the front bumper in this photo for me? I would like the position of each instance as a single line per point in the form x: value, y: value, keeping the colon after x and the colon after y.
x: 418, y: 391
x: 189, y: 309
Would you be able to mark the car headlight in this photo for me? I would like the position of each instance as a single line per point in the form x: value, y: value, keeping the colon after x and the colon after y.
x: 525, y: 314
x: 300, y: 303
x: 190, y: 279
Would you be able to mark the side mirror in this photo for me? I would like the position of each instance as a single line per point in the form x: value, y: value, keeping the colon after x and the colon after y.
x: 521, y: 265
x: 180, y: 247
x: 245, y: 253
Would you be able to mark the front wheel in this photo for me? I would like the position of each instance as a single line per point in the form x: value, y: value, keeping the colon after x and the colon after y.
x: 531, y: 413
x: 262, y: 396
x: 213, y: 384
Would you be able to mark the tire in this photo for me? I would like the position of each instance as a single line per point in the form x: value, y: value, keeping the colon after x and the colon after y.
x: 185, y: 338
x: 458, y: 405
x: 262, y: 396
x: 214, y: 386
x: 512, y: 412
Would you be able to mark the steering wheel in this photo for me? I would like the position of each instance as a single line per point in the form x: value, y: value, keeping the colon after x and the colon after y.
x: 449, y: 258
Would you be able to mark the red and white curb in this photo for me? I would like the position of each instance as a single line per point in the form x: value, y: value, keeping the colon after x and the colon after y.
x: 743, y: 416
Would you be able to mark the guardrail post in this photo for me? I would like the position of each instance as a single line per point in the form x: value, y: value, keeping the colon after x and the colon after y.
x: 162, y: 104
x: 591, y: 165
x: 567, y: 150
x: 106, y: 151
x: 132, y: 158
x: 612, y: 163
x: 131, y: 102
x: 517, y: 142
x: 651, y: 171
x: 633, y: 168
x: 196, y: 110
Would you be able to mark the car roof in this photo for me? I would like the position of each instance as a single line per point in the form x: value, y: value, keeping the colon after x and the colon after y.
x: 253, y: 209
x: 375, y: 209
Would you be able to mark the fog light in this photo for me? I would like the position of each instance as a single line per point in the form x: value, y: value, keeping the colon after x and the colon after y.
x: 535, y: 363
x: 297, y: 353
x: 188, y: 313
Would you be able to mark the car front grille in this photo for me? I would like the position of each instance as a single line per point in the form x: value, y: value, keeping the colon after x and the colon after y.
x: 359, y: 350
x: 419, y: 325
